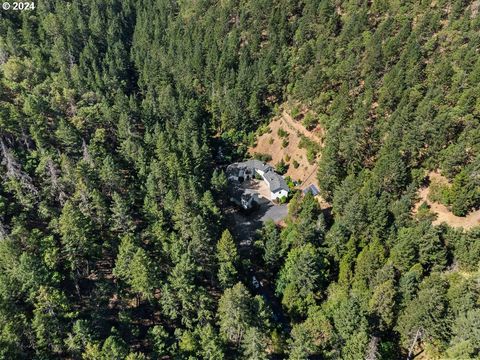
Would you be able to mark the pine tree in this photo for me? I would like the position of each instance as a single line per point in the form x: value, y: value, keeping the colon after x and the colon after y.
x: 254, y: 345
x: 227, y: 258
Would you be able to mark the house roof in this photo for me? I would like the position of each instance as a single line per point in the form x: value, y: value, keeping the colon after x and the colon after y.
x: 234, y: 169
x: 274, y: 180
x: 257, y: 165
x: 313, y: 189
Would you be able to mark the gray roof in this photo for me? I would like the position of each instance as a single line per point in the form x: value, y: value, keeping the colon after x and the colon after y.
x: 249, y: 165
x: 257, y: 165
x: 313, y: 189
x: 274, y: 180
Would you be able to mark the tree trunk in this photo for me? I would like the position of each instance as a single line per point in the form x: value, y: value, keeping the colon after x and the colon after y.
x: 418, y: 335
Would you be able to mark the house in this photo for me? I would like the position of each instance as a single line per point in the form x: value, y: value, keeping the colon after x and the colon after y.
x: 245, y: 199
x: 249, y: 169
x: 246, y: 170
x: 277, y: 185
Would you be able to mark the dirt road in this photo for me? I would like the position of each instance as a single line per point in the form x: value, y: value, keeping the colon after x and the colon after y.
x: 295, y: 125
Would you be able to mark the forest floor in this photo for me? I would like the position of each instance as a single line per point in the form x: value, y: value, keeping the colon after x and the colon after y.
x: 443, y: 214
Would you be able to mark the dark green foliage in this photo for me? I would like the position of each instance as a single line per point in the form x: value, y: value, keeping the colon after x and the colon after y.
x: 281, y: 167
x: 117, y: 119
x: 312, y: 148
x: 262, y: 157
x: 239, y: 311
x: 301, y: 278
x: 270, y: 244
x: 309, y: 121
x: 282, y: 133
x: 227, y: 260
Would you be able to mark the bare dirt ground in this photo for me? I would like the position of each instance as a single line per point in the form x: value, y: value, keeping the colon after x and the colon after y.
x: 444, y: 215
x: 271, y: 143
x: 258, y: 186
x: 314, y: 135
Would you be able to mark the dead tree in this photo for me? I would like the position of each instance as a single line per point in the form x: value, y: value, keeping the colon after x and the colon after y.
x: 3, y: 231
x: 57, y: 187
x: 14, y: 170
x: 417, y: 337
x: 86, y: 154
x: 372, y: 349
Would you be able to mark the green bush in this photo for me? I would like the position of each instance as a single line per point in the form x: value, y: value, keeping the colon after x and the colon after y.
x: 312, y: 148
x: 283, y: 200
x: 281, y: 167
x: 295, y: 112
x: 264, y: 129
x: 424, y: 213
x: 262, y: 157
x: 439, y: 192
x: 310, y: 122
x: 282, y: 133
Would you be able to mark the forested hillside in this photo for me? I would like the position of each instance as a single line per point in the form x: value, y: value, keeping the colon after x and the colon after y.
x: 116, y: 120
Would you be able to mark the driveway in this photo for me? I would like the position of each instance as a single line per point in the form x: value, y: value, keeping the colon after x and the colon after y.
x: 273, y: 212
x: 245, y: 226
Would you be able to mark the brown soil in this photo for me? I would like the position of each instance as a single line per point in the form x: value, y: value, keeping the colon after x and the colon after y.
x: 444, y: 215
x: 258, y: 186
x: 306, y: 173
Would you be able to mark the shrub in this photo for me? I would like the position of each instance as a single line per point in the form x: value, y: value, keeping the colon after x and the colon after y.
x: 439, y: 192
x: 295, y: 112
x: 290, y: 182
x: 310, y: 122
x: 312, y: 148
x: 287, y: 158
x: 262, y: 157
x: 285, y: 143
x: 263, y: 129
x: 282, y: 133
x: 424, y: 213
x: 281, y: 167
x: 295, y: 164
x: 270, y: 141
x: 311, y: 155
x: 283, y: 200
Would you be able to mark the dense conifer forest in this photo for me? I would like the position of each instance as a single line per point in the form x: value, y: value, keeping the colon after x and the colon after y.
x: 117, y: 118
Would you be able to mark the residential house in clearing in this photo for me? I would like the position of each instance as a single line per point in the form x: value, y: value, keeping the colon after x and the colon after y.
x: 249, y: 169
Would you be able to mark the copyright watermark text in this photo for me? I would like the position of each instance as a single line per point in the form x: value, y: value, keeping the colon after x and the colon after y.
x: 18, y: 6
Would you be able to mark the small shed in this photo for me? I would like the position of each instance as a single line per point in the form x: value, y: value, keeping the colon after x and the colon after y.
x: 311, y: 189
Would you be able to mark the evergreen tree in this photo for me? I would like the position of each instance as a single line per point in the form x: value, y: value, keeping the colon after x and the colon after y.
x: 227, y: 258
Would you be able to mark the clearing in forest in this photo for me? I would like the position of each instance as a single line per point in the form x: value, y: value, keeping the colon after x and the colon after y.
x: 443, y: 214
x: 284, y: 142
